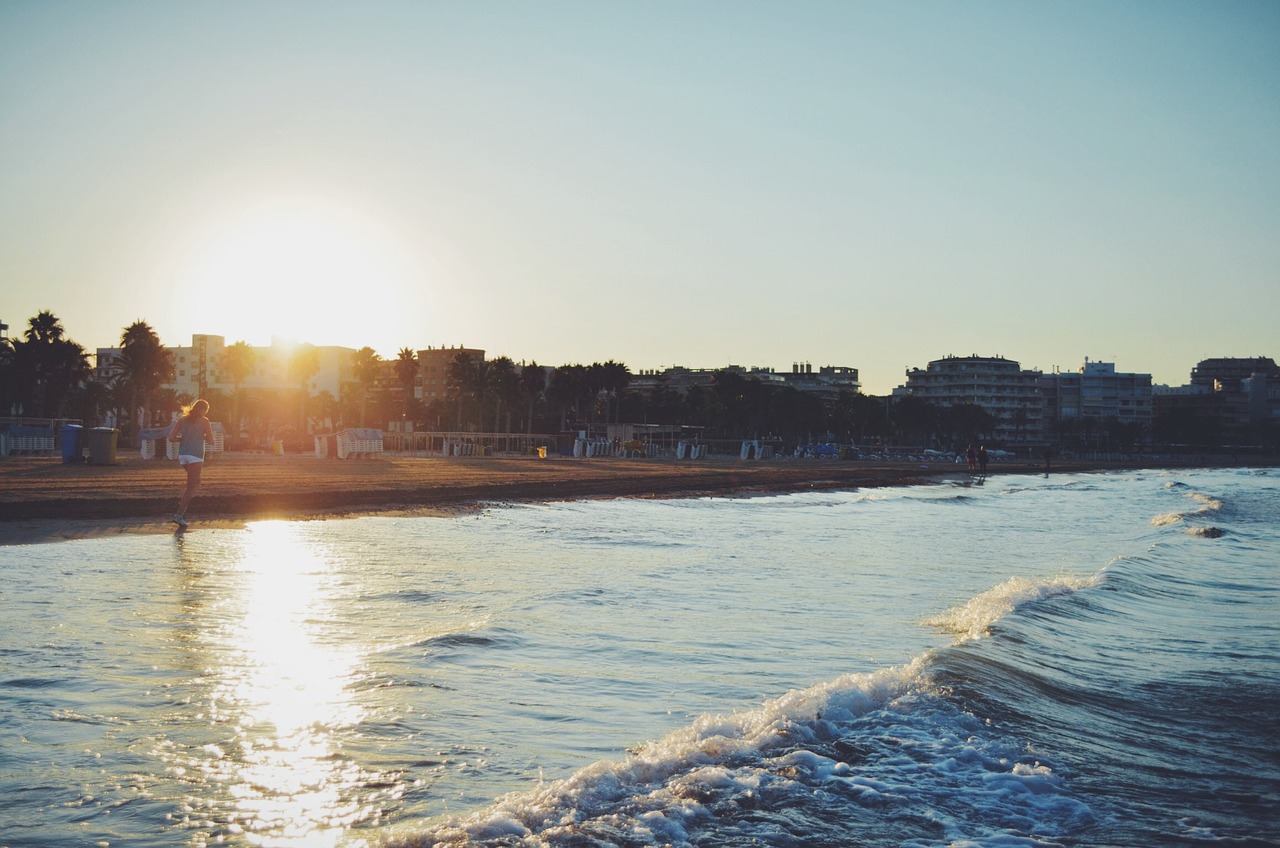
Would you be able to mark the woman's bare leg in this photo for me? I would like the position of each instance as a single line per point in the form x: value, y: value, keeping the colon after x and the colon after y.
x: 193, y: 480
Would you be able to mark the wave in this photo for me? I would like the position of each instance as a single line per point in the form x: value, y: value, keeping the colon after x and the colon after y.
x: 1208, y: 504
x: 1059, y: 706
x: 464, y: 639
x: 940, y: 499
x: 973, y: 619
x: 874, y: 754
x: 886, y: 754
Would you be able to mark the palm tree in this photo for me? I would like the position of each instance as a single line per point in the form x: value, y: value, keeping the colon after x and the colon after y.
x: 365, y: 363
x: 145, y: 364
x: 8, y: 377
x: 595, y: 376
x: 567, y: 387
x: 533, y: 382
x: 467, y: 379
x: 406, y: 374
x: 614, y: 379
x: 323, y: 407
x: 45, y: 368
x: 43, y: 328
x: 237, y: 364
x: 504, y: 388
x: 857, y: 416
x: 914, y: 419
x: 90, y: 402
x: 304, y: 362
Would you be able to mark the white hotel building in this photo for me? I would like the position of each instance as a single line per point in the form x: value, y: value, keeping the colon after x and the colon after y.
x: 999, y: 386
x: 199, y: 367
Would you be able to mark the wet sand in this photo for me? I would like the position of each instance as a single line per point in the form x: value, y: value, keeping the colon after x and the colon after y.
x: 42, y: 499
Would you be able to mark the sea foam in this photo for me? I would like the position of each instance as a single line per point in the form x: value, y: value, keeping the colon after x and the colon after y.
x: 655, y: 784
x: 973, y: 619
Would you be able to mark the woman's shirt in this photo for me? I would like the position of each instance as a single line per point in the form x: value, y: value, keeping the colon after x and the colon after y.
x: 192, y: 443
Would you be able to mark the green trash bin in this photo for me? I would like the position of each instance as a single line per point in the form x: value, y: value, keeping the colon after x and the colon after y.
x: 102, y: 445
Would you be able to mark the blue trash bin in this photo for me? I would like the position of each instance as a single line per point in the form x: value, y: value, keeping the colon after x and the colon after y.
x: 71, y: 443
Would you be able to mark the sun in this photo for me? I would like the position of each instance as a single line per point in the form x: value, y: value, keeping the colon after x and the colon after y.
x: 303, y: 268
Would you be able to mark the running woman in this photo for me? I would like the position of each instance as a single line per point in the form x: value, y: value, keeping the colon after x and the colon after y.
x: 192, y: 432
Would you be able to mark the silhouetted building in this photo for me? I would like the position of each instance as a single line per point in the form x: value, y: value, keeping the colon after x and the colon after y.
x: 199, y: 367
x: 999, y: 386
x: 433, y: 370
x: 1097, y: 396
x: 1226, y: 373
x: 1230, y: 403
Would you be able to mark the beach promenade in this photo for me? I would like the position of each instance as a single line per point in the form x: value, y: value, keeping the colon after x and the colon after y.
x: 42, y: 499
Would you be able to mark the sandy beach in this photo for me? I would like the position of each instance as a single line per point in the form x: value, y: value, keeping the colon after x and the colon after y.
x: 42, y: 499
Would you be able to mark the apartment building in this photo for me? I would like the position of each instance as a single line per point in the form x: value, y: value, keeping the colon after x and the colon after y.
x: 199, y: 367
x: 433, y: 370
x: 999, y: 386
x: 1097, y: 392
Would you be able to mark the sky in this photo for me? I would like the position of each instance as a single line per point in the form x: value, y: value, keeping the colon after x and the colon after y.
x: 874, y: 185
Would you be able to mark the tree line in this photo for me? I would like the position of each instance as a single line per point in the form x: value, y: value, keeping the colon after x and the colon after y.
x: 44, y: 374
x: 47, y: 375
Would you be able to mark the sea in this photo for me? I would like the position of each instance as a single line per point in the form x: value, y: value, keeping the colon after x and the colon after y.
x: 1077, y: 659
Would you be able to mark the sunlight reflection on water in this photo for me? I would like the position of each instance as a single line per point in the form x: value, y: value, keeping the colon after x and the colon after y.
x: 278, y: 675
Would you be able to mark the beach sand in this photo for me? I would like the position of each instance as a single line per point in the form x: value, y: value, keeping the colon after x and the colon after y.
x: 42, y: 499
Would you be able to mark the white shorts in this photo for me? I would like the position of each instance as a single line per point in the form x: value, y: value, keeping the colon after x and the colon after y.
x: 184, y: 459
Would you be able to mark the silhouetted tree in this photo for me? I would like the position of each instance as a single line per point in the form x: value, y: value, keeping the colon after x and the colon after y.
x: 614, y: 378
x: 145, y: 365
x: 502, y: 387
x: 967, y: 423
x: 304, y: 363
x: 567, y: 389
x: 406, y: 366
x: 914, y: 420
x: 45, y: 368
x: 365, y: 363
x: 533, y: 384
x: 237, y: 364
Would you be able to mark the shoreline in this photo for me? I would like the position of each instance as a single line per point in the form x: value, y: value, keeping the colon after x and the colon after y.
x: 44, y: 500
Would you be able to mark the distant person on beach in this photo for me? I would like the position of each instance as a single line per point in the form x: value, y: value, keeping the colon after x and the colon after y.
x: 192, y: 432
x: 982, y: 460
x: 972, y: 457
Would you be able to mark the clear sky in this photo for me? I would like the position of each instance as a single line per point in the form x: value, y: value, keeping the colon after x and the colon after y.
x: 698, y: 183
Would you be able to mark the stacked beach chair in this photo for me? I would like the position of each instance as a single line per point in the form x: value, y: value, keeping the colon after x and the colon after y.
x: 30, y: 440
x: 153, y: 442
x: 359, y: 443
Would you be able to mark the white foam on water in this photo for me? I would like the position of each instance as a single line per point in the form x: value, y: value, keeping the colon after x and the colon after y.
x: 973, y: 619
x: 658, y: 784
x: 1208, y: 502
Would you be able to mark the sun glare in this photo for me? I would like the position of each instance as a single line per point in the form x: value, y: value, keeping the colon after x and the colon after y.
x: 302, y: 268
x: 285, y: 687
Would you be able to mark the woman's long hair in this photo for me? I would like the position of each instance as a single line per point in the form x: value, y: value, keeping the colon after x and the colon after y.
x: 199, y: 404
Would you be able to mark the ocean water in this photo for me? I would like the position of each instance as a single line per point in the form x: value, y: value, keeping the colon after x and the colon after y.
x: 1073, y: 660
